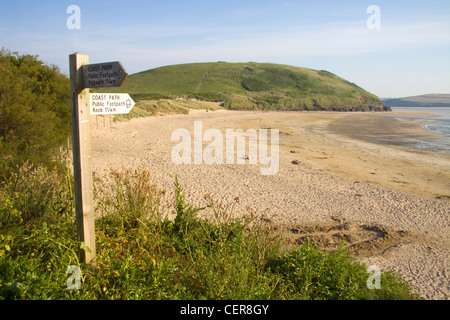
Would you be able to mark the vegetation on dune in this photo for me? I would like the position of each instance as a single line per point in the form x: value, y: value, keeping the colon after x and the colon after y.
x: 148, y: 108
x: 253, y: 86
x: 34, y: 110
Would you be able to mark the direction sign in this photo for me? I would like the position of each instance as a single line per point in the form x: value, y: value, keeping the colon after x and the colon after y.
x: 107, y: 74
x: 110, y: 103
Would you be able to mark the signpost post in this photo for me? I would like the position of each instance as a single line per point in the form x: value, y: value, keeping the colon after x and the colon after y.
x: 82, y: 77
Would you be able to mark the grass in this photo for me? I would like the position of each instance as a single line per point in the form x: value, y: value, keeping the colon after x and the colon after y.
x: 148, y: 248
x: 251, y: 86
x: 149, y: 108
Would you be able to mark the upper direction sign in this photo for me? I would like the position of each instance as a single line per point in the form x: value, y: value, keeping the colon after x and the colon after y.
x: 107, y: 74
x: 110, y: 103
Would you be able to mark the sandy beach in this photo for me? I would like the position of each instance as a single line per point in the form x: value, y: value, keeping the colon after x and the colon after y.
x: 340, y: 177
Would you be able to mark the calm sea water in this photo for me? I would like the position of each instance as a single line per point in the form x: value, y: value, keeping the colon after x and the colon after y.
x: 438, y: 122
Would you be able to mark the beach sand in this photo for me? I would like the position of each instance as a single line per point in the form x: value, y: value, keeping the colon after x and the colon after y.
x: 337, y: 180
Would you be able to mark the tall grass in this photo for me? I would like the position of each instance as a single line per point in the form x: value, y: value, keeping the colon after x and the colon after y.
x: 152, y: 247
x: 148, y: 108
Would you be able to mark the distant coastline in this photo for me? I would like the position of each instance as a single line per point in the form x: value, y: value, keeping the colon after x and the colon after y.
x: 422, y: 101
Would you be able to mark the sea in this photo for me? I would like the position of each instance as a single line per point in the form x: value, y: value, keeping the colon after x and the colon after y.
x: 437, y: 121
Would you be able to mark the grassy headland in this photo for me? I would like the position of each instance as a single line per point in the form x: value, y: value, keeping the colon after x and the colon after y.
x: 251, y: 86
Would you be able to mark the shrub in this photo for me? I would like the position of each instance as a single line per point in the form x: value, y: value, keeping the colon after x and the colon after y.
x: 34, y: 111
x: 317, y: 275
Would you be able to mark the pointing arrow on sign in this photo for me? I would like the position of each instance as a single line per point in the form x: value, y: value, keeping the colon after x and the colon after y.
x: 110, y: 103
x: 107, y: 74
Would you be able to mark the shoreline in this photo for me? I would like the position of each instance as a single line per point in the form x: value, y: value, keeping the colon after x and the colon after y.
x: 323, y: 177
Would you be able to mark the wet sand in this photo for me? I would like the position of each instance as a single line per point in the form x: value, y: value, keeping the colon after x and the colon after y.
x: 334, y: 168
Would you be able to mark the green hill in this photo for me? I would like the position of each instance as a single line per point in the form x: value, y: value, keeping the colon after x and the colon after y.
x: 251, y: 86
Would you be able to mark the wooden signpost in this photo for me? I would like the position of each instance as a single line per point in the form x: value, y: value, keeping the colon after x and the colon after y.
x: 84, y: 76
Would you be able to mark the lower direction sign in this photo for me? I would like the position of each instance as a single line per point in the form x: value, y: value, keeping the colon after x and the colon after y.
x: 110, y: 103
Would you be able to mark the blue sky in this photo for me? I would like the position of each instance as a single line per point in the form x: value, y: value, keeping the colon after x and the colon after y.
x: 408, y: 55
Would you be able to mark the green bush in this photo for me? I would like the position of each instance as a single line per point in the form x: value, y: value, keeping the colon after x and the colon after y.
x: 322, y: 275
x: 38, y: 239
x: 34, y: 110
